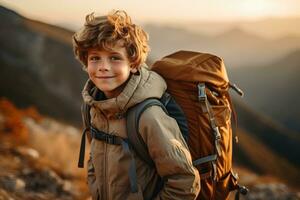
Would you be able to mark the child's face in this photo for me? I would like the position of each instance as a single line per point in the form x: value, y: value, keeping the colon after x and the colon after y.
x: 109, y: 70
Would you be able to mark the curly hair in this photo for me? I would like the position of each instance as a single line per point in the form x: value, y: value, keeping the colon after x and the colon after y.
x: 105, y: 31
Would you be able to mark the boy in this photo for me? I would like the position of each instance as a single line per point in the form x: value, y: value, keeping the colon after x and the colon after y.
x: 113, y: 50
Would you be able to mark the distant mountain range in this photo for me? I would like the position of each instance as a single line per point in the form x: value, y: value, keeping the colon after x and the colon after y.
x: 271, y: 28
x: 38, y: 68
x: 237, y: 47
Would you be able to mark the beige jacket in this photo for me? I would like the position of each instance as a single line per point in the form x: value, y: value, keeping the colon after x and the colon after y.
x: 108, y: 165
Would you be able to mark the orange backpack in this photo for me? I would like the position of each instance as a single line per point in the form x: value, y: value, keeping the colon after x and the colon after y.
x: 199, y: 84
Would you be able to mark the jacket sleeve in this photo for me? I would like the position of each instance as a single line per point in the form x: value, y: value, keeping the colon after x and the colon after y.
x: 170, y: 154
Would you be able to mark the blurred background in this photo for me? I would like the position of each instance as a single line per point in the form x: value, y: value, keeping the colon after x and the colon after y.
x: 41, y: 83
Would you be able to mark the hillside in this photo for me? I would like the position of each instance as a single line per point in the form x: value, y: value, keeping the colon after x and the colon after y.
x: 38, y: 67
x: 265, y: 147
x: 39, y: 161
x: 37, y: 157
x: 273, y: 89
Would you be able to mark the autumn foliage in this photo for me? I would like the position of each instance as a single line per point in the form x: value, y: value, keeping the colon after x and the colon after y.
x: 12, y: 126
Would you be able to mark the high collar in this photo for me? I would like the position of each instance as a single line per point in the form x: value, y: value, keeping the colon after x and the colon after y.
x: 142, y: 85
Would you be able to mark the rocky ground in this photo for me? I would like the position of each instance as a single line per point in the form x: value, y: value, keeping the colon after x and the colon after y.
x: 38, y: 161
x: 262, y: 187
x: 38, y: 157
x: 24, y: 175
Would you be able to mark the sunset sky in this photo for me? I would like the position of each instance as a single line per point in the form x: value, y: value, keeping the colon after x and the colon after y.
x: 72, y: 12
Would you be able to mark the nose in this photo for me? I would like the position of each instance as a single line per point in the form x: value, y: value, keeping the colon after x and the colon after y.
x: 103, y: 65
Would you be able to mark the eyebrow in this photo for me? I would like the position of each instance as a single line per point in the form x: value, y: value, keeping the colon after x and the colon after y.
x: 111, y: 52
x: 114, y: 52
x: 92, y: 52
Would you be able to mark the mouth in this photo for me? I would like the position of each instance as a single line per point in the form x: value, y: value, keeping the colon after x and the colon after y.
x: 104, y: 77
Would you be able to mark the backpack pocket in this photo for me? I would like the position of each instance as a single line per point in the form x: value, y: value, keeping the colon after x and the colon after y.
x: 222, y: 115
x: 225, y: 185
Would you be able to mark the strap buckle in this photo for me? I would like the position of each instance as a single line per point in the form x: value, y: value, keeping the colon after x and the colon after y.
x: 217, y: 133
x: 110, y: 139
x: 201, y: 92
x: 93, y: 131
x: 205, y: 159
x: 217, y: 139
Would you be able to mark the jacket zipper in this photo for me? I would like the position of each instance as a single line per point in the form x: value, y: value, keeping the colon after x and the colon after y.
x: 105, y: 195
x: 104, y: 178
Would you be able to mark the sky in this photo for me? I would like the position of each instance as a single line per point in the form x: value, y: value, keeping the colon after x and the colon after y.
x: 72, y: 12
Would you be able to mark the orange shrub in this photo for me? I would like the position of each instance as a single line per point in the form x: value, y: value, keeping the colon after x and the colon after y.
x: 13, y: 126
x: 32, y: 113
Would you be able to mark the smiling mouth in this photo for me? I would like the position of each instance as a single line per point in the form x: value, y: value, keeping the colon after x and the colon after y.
x: 104, y: 77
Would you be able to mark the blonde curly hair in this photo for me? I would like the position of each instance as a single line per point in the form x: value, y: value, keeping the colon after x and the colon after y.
x: 106, y: 31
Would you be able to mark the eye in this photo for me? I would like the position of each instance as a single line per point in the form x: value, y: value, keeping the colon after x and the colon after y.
x: 115, y: 58
x: 94, y: 58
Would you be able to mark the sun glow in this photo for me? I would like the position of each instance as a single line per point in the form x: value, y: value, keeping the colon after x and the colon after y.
x: 257, y: 8
x: 144, y: 11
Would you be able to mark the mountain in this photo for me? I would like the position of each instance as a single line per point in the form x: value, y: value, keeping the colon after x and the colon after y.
x: 38, y: 66
x: 265, y: 146
x: 272, y: 27
x: 236, y: 46
x: 273, y: 89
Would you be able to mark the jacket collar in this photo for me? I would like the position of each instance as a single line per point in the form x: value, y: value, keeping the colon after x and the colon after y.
x: 145, y: 84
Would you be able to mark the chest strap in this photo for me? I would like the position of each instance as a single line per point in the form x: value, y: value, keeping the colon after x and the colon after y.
x: 117, y: 140
x: 108, y: 138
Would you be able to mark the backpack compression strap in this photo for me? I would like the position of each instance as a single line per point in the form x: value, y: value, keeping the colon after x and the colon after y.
x: 206, y: 108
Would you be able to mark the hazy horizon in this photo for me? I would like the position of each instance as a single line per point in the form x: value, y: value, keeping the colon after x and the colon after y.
x: 268, y: 19
x: 168, y: 11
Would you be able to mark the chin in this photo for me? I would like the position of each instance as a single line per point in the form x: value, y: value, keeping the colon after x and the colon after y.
x: 105, y: 89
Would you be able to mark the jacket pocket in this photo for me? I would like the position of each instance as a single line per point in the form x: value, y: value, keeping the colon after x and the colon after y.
x: 118, y: 192
x: 91, y: 180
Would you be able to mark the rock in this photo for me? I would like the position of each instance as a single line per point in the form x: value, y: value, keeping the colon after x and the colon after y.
x: 45, y: 180
x: 270, y: 191
x: 29, y: 152
x: 12, y: 183
x: 4, y: 195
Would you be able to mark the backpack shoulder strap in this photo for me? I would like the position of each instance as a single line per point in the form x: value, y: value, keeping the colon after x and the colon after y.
x: 132, y: 122
x: 86, y: 122
x: 170, y: 107
x: 86, y: 118
x: 85, y: 113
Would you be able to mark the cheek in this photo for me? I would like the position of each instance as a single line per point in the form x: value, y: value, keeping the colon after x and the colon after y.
x: 124, y: 74
x: 90, y: 70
